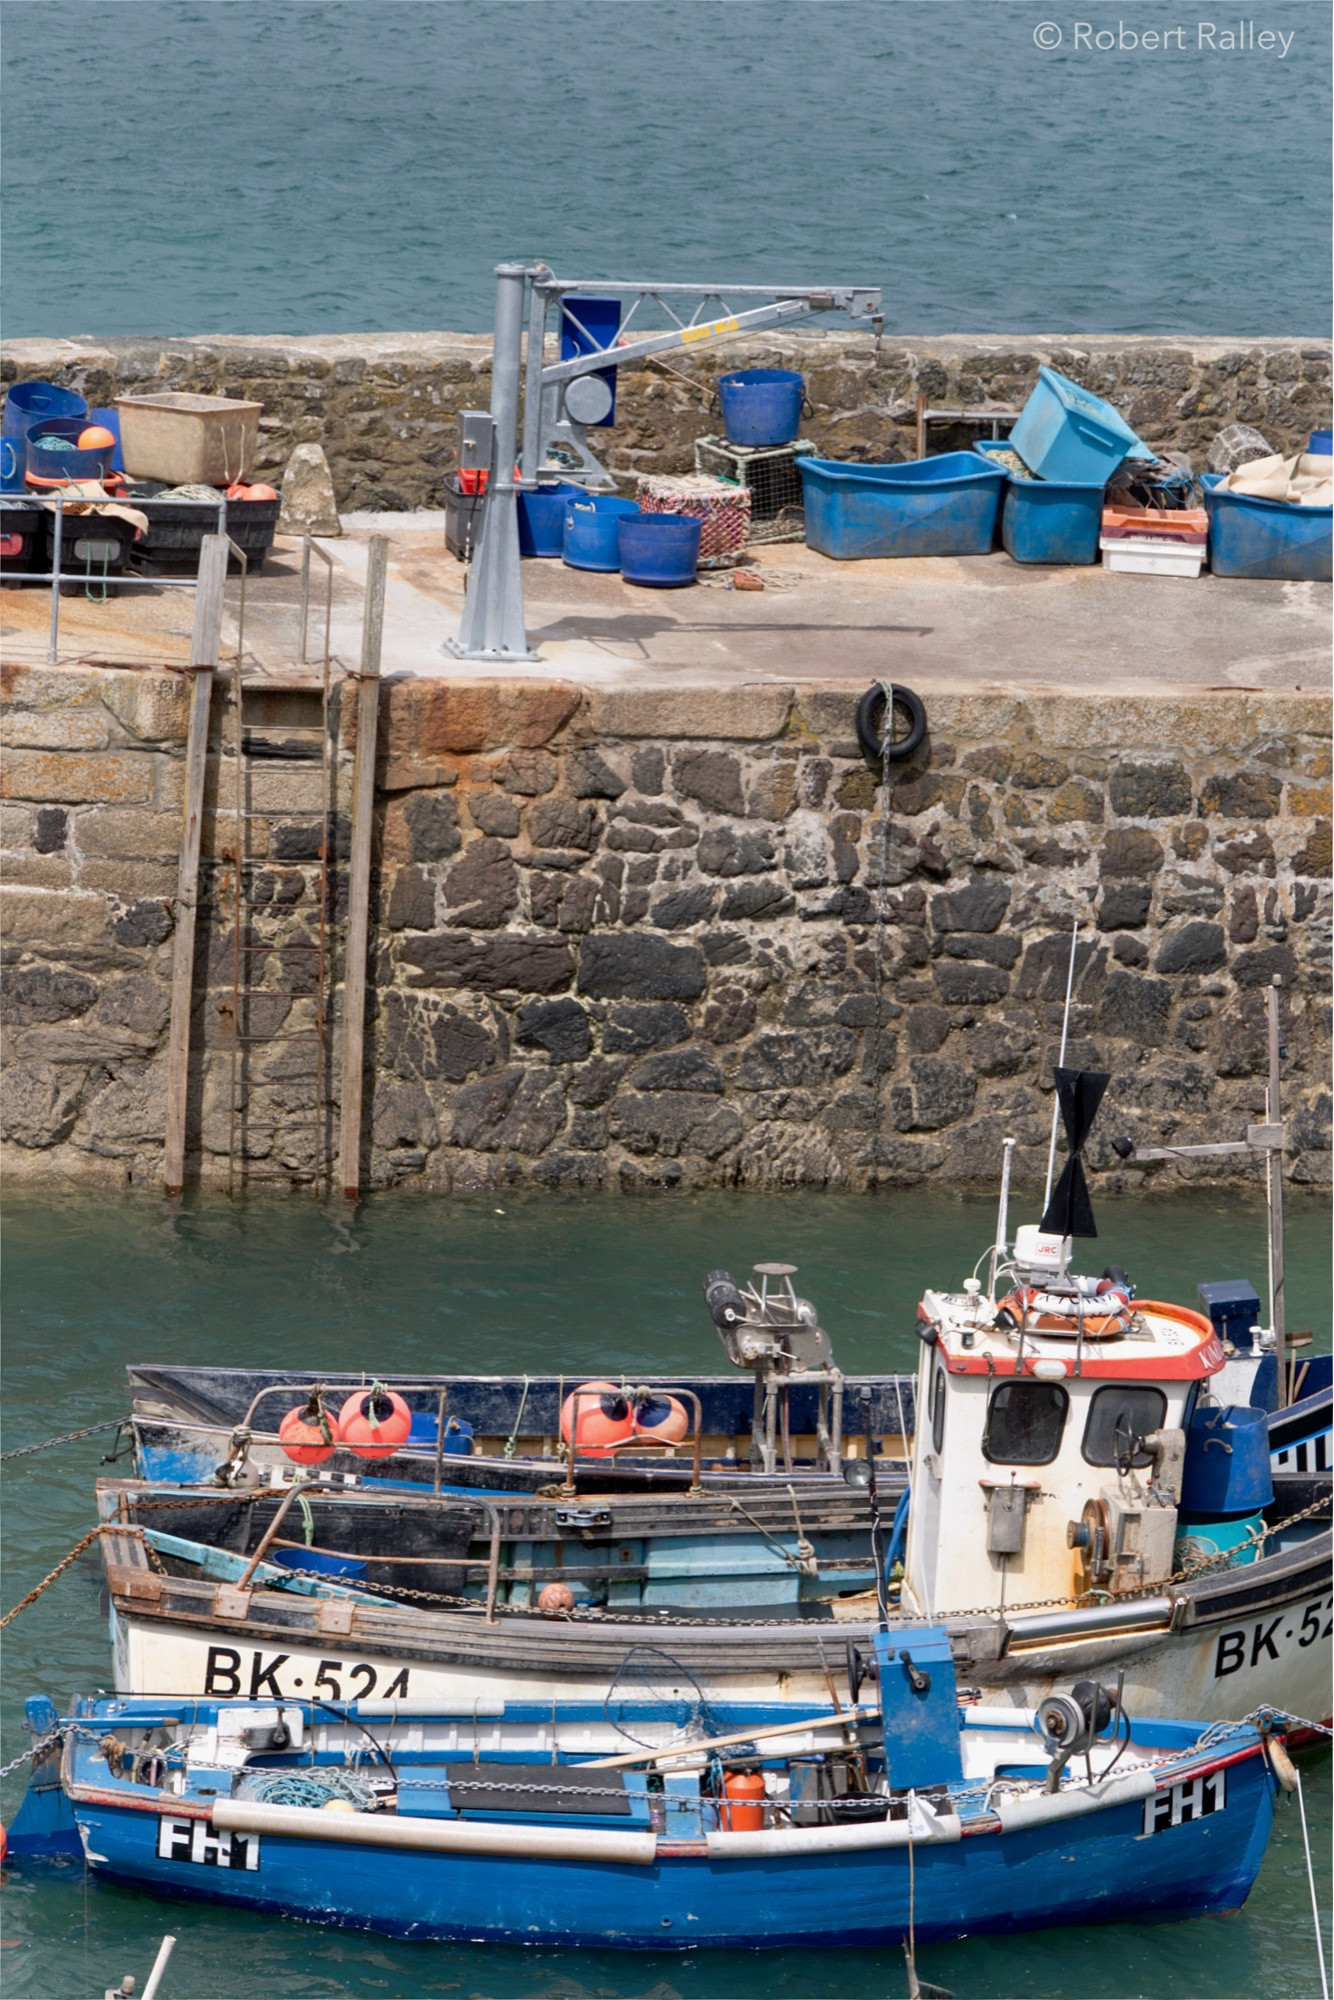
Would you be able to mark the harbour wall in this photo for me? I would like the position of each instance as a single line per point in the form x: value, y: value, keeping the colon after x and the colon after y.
x: 384, y: 406
x: 648, y: 937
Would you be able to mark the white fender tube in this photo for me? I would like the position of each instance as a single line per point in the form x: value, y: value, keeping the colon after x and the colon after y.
x: 929, y: 1829
x: 1041, y: 1808
x: 434, y: 1836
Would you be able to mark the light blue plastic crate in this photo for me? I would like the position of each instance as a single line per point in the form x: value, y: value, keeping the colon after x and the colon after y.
x: 1267, y: 538
x: 1065, y: 432
x: 944, y: 506
x: 1055, y: 521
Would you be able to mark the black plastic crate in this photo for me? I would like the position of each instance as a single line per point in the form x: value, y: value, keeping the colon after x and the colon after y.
x: 252, y: 525
x: 22, y: 539
x: 94, y: 551
x: 462, y: 511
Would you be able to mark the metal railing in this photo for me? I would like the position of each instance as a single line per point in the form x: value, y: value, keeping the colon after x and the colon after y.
x: 58, y: 574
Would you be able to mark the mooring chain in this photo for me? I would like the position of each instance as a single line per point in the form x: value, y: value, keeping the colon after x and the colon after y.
x: 26, y: 1450
x: 34, y: 1750
x: 58, y: 1571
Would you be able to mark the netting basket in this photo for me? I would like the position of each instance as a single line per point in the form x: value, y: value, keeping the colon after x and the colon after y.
x: 769, y: 475
x: 722, y: 508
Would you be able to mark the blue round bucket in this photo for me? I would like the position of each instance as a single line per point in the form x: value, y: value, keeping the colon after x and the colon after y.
x: 590, y: 539
x: 542, y: 519
x: 761, y: 406
x: 660, y: 551
x: 12, y: 460
x: 52, y: 457
x: 29, y: 402
x: 1322, y: 443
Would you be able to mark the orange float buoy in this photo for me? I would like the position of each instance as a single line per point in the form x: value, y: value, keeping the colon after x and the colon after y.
x: 662, y: 1417
x: 96, y: 438
x: 744, y: 1809
x: 374, y: 1422
x: 309, y: 1434
x: 605, y: 1418
x: 555, y: 1599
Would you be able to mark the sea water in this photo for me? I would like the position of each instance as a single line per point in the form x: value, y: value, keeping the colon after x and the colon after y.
x: 590, y: 1285
x: 996, y: 166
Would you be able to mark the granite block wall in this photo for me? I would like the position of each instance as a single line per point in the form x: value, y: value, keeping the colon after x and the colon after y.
x: 384, y: 406
x: 655, y: 937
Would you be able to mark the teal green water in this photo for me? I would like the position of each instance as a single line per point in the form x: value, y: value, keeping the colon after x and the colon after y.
x: 586, y: 1284
x: 305, y: 166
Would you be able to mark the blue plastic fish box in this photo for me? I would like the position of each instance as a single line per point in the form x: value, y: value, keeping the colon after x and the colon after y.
x: 1066, y: 432
x: 944, y: 506
x: 1266, y: 538
x: 1047, y: 520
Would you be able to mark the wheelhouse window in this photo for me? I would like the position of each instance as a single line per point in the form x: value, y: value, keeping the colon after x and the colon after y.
x: 938, y: 1409
x: 1118, y: 1415
x: 1024, y: 1423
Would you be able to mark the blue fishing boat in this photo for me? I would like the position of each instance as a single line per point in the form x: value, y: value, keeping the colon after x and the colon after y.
x: 916, y: 1815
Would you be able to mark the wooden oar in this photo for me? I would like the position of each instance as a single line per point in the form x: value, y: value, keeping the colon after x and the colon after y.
x: 837, y: 1721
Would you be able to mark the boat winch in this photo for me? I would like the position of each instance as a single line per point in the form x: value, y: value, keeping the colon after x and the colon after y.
x: 767, y: 1328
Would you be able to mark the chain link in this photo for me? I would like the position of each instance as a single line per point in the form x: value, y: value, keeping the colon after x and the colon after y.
x: 34, y: 1751
x: 58, y: 1571
x: 26, y: 1450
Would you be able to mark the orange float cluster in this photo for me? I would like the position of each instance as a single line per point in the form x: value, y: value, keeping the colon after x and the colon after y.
x: 608, y: 1417
x: 373, y: 1423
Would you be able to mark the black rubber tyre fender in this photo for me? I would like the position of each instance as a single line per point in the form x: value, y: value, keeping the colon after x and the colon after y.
x: 870, y: 718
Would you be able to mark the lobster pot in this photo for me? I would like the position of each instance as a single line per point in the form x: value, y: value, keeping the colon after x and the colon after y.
x: 723, y: 511
x: 769, y: 475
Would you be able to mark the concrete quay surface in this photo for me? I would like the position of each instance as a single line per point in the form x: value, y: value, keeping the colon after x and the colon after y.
x: 938, y: 623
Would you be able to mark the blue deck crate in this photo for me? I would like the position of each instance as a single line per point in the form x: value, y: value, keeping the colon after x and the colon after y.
x: 1055, y: 521
x: 1066, y: 432
x: 1266, y: 538
x: 944, y: 506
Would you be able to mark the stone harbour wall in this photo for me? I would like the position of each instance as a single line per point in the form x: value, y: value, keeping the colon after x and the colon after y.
x: 650, y: 937
x: 384, y: 406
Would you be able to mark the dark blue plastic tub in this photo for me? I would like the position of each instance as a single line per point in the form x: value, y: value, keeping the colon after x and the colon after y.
x: 591, y: 540
x: 1322, y: 443
x: 1047, y: 520
x: 323, y: 1565
x: 542, y: 519
x: 28, y: 402
x: 60, y: 467
x: 660, y: 550
x: 944, y: 506
x: 761, y: 406
x: 1267, y: 538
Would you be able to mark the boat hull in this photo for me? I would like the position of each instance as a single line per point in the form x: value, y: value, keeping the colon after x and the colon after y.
x: 1261, y: 1635
x: 1098, y: 1866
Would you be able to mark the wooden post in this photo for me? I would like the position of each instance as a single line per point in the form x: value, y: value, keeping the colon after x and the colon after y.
x: 921, y: 425
x: 204, y: 645
x: 359, y: 877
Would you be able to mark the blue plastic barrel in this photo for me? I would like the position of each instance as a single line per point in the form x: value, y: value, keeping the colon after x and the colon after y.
x: 1227, y: 1468
x: 542, y: 519
x: 944, y: 506
x: 591, y: 540
x: 55, y: 466
x: 761, y: 406
x: 660, y: 551
x: 1267, y: 538
x: 1054, y: 521
x: 1066, y: 432
x: 1322, y: 443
